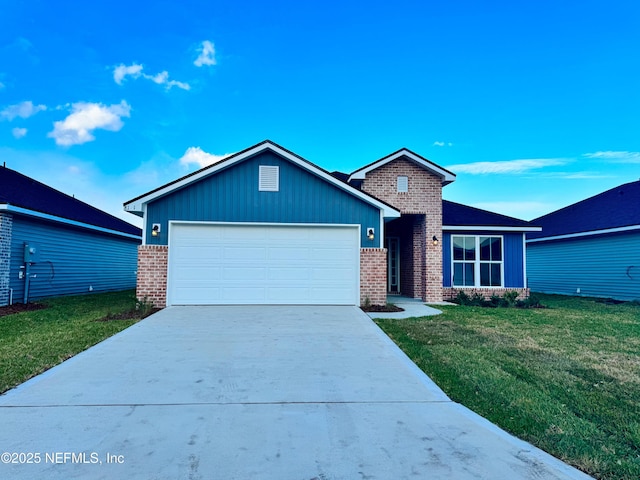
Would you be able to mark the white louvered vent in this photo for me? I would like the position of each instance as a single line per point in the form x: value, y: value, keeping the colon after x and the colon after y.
x: 269, y: 178
x: 403, y: 184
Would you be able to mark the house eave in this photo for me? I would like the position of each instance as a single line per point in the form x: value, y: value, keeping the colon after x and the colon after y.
x: 136, y: 205
x: 446, y: 176
x: 53, y: 218
x: 591, y: 233
x: 489, y: 228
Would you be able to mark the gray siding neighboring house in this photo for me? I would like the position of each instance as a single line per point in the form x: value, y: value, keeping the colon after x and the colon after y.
x: 590, y: 248
x: 52, y: 244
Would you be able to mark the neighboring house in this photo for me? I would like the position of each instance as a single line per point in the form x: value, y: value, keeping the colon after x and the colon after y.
x: 265, y: 226
x: 590, y: 248
x: 52, y: 244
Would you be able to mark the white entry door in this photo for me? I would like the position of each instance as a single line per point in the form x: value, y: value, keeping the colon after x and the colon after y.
x: 216, y: 264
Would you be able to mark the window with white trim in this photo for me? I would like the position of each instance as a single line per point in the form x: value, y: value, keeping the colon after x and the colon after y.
x: 477, y: 261
x: 269, y: 178
x: 403, y: 184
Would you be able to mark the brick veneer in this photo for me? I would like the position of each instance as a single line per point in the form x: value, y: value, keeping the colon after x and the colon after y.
x: 451, y: 293
x: 6, y: 230
x: 152, y: 274
x: 373, y: 276
x: 424, y: 198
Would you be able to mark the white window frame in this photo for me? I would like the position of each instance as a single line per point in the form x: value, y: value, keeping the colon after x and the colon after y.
x: 477, y: 262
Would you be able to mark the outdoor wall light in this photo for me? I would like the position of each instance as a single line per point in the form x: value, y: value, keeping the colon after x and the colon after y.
x: 371, y: 233
x: 435, y: 241
x: 155, y: 230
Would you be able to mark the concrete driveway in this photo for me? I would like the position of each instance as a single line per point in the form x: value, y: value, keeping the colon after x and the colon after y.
x: 305, y: 393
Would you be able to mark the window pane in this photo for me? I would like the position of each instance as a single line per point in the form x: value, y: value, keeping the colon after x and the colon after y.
x: 485, y: 278
x: 485, y: 248
x: 469, y: 248
x: 495, y: 274
x: 496, y: 249
x: 458, y: 248
x: 468, y: 274
x: 458, y: 276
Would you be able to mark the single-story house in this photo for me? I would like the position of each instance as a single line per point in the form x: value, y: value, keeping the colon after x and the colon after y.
x: 266, y: 226
x: 52, y: 244
x: 590, y: 248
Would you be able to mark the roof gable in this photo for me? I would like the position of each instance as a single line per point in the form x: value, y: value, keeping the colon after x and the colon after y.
x: 29, y: 195
x: 136, y: 205
x: 616, y: 208
x: 446, y: 176
x: 456, y: 216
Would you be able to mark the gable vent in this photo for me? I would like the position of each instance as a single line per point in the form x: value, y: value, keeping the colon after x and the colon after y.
x: 269, y: 178
x: 403, y: 184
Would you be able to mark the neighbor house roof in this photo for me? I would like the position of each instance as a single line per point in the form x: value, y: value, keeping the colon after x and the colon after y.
x: 136, y: 205
x: 24, y: 195
x: 446, y: 176
x: 456, y: 216
x: 617, y: 209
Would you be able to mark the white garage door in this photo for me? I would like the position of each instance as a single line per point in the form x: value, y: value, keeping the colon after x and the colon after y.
x: 220, y: 264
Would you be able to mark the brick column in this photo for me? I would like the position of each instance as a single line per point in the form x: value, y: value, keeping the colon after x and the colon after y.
x: 6, y: 229
x: 373, y: 276
x: 152, y: 274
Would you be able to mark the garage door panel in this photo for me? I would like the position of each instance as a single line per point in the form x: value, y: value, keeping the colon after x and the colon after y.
x: 240, y: 273
x: 260, y: 264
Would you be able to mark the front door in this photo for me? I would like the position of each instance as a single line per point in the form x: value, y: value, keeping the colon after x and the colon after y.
x: 393, y: 264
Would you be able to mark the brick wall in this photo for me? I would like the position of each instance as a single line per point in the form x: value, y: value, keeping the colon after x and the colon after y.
x: 450, y: 293
x: 373, y: 276
x: 425, y: 199
x: 425, y: 188
x: 152, y: 274
x: 6, y: 229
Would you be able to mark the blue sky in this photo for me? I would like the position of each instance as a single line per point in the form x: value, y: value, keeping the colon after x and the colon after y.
x: 534, y: 105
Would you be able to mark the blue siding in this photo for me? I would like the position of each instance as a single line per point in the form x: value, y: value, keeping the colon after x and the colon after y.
x: 602, y: 266
x: 70, y: 260
x: 232, y: 196
x: 512, y: 262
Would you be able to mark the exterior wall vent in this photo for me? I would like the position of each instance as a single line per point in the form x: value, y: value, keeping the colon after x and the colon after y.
x: 403, y: 184
x: 269, y: 178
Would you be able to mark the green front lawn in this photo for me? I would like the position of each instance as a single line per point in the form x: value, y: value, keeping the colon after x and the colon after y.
x: 566, y: 378
x: 34, y: 341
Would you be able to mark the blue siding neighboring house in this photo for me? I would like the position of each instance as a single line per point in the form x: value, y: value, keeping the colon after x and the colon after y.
x: 590, y: 248
x: 53, y: 244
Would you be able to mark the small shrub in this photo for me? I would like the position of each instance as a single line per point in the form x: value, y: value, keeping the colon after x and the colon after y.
x: 366, y: 303
x: 510, y: 297
x: 145, y: 307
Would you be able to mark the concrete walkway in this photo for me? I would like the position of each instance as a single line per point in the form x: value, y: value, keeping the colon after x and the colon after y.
x: 413, y: 307
x: 259, y: 392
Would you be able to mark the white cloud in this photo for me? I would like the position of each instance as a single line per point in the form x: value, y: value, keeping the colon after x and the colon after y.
x: 84, y: 118
x: 197, y: 156
x: 506, y: 167
x: 22, y: 110
x: 135, y: 71
x: 207, y: 54
x: 442, y: 144
x: 19, y: 132
x: 121, y: 71
x: 616, y: 156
